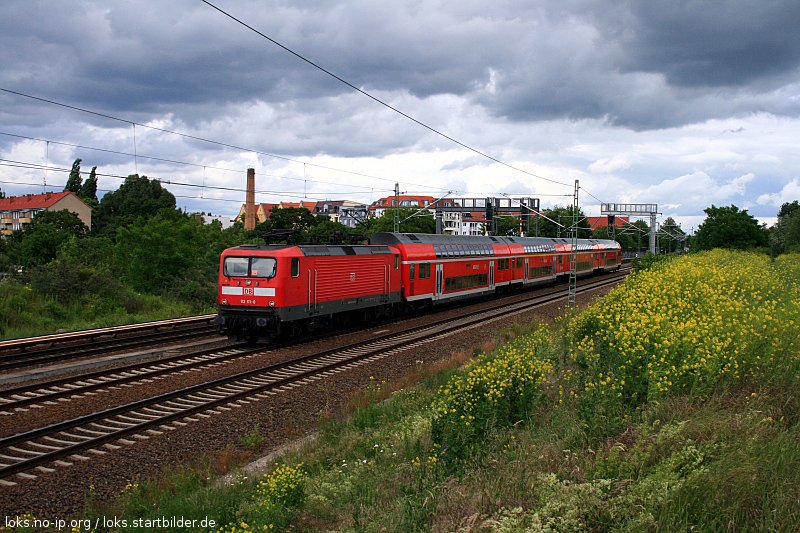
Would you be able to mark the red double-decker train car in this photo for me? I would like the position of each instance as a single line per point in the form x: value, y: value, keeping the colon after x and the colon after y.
x: 267, y: 290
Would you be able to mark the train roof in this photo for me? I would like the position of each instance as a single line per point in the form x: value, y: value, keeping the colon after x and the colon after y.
x: 427, y: 238
x: 316, y: 250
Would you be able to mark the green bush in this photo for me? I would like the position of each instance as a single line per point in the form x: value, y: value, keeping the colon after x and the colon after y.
x: 694, y: 324
x: 494, y: 392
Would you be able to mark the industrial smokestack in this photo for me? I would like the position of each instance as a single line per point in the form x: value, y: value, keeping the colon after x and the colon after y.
x: 250, y: 201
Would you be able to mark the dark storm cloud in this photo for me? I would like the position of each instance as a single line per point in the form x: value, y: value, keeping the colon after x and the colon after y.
x: 647, y: 65
x: 734, y: 43
x: 641, y: 65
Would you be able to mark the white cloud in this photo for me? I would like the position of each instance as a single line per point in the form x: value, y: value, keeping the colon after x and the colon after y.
x: 789, y: 193
x: 612, y: 164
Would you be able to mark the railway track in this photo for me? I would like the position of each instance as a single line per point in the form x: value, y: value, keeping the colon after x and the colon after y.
x: 20, y: 353
x: 61, y: 389
x: 64, y: 388
x: 40, y: 451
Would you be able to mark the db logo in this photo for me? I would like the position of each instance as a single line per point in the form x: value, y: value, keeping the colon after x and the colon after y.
x: 352, y: 276
x: 248, y: 291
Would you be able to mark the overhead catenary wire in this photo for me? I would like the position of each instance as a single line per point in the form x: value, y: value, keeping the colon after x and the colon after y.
x: 187, y: 163
x: 210, y: 141
x: 259, y: 152
x: 37, y: 166
x: 378, y: 100
x: 212, y: 199
x: 293, y: 194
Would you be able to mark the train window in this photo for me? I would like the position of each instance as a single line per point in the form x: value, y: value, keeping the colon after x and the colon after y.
x: 411, y: 272
x: 295, y: 267
x: 424, y: 270
x: 262, y: 267
x: 397, y: 262
x: 236, y: 266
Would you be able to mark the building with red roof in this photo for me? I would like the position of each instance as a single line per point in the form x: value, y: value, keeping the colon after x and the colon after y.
x: 403, y: 201
x: 602, y: 222
x: 18, y: 211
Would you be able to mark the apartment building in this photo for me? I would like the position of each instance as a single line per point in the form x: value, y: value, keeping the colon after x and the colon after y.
x: 18, y: 211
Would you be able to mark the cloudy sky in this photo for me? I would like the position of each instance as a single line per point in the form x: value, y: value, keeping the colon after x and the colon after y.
x: 682, y: 103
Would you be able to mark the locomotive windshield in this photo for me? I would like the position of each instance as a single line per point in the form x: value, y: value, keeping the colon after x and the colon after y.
x: 254, y: 267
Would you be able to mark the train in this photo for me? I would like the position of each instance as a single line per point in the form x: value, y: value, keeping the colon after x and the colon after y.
x: 267, y: 291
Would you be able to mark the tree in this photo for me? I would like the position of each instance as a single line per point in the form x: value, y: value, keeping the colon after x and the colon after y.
x: 411, y: 221
x: 505, y: 226
x: 291, y: 218
x: 785, y: 235
x: 154, y: 252
x: 326, y: 232
x: 138, y: 197
x: 89, y: 188
x: 39, y: 241
x: 74, y: 182
x: 671, y: 236
x: 563, y: 215
x: 729, y: 227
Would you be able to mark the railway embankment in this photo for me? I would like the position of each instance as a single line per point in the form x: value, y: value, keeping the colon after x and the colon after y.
x: 671, y: 403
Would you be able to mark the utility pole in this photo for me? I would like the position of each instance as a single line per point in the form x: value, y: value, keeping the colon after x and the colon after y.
x: 612, y: 221
x: 653, y: 249
x: 573, y: 256
x: 396, y: 207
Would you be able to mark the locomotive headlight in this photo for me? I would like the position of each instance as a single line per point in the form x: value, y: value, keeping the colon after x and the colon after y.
x: 272, y: 304
x: 224, y: 301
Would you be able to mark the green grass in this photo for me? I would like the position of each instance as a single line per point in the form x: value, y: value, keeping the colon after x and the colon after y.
x: 25, y: 312
x: 731, y: 462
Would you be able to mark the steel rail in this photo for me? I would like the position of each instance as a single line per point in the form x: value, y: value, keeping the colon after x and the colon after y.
x: 93, y: 344
x: 25, y: 395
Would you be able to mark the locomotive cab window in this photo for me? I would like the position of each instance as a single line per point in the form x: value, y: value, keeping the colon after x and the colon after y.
x: 256, y: 267
x: 236, y: 266
x: 295, y: 267
x: 263, y: 267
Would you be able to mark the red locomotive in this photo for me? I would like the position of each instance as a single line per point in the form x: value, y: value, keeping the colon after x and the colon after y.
x: 268, y: 290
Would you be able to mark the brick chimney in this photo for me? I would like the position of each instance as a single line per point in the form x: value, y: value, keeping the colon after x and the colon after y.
x: 250, y: 201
